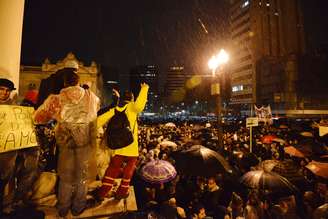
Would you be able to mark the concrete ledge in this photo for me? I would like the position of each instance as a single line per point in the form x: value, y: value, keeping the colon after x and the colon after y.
x: 108, y: 207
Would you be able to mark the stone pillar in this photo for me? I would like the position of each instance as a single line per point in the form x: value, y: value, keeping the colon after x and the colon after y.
x: 11, y: 25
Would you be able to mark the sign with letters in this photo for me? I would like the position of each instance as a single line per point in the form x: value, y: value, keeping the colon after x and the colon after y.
x: 16, y: 128
x: 252, y: 121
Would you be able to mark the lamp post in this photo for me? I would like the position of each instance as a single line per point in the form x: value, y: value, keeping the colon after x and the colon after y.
x: 218, y: 61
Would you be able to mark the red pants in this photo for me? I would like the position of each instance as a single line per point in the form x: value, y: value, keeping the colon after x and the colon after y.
x: 120, y: 166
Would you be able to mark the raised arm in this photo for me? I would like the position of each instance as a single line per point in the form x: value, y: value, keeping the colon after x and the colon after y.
x: 141, y: 100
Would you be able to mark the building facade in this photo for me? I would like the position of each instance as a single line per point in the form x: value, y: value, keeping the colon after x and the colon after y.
x: 150, y: 75
x: 267, y: 37
x: 176, y: 79
x: 32, y: 75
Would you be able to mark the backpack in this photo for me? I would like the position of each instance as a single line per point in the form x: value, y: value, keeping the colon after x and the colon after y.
x: 118, y: 132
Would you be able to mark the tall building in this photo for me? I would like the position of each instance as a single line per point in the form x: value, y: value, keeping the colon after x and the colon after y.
x: 175, y: 84
x: 150, y: 75
x: 267, y: 38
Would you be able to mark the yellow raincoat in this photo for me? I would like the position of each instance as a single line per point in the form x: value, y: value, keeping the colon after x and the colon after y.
x: 132, y: 110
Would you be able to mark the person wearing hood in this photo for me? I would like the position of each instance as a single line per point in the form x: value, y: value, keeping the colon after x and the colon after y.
x: 124, y: 159
x: 75, y: 110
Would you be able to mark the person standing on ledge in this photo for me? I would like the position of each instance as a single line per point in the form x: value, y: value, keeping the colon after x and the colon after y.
x: 21, y: 164
x: 124, y: 159
x: 75, y: 110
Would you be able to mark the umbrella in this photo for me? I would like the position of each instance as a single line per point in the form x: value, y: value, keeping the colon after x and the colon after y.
x: 287, y: 169
x: 292, y: 151
x: 283, y: 127
x: 318, y: 168
x: 170, y: 144
x: 321, y: 212
x: 200, y: 161
x: 158, y: 171
x: 170, y: 124
x: 263, y: 180
x: 267, y: 139
x: 268, y: 165
x: 279, y: 140
x: 306, y: 134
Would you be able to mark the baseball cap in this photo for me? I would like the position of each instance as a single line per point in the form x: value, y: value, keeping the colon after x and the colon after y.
x: 7, y: 83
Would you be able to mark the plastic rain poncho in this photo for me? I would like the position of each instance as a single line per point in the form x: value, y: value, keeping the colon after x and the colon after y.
x: 75, y: 110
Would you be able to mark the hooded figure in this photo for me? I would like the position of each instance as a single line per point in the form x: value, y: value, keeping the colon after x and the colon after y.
x: 75, y: 110
x: 124, y: 159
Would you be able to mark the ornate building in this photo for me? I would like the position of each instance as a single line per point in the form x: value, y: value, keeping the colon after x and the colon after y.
x: 32, y: 75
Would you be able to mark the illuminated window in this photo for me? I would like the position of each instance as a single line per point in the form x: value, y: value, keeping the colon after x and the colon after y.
x: 237, y: 88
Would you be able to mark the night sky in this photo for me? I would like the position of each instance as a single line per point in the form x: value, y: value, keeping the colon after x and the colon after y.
x: 122, y: 34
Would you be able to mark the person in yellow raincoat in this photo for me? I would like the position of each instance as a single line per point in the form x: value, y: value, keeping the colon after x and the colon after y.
x: 123, y: 162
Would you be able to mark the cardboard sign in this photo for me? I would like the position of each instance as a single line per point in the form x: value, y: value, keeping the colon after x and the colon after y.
x: 252, y: 121
x: 16, y: 128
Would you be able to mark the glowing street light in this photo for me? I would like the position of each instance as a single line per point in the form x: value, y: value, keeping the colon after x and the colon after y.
x: 213, y: 63
x: 222, y: 57
x: 218, y: 61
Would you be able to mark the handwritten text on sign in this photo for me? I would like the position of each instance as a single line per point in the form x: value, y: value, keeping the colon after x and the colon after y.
x: 16, y: 128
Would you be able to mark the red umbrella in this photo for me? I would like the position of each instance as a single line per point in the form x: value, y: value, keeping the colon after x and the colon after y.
x: 267, y: 139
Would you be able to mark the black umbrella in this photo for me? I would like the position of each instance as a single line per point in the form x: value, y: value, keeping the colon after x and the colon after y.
x: 200, y: 161
x: 321, y: 212
x: 268, y: 181
x: 287, y: 169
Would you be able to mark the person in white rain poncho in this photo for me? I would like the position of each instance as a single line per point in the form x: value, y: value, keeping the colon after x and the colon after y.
x: 75, y: 110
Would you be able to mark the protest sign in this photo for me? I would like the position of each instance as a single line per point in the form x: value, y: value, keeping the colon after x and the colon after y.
x: 16, y: 128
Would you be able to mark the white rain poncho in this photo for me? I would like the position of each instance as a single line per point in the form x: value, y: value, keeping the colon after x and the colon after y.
x: 75, y: 110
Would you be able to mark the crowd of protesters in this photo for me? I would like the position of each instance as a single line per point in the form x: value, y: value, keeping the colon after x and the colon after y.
x: 221, y: 195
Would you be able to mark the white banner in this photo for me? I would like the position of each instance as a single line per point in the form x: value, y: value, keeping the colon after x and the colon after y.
x: 264, y: 114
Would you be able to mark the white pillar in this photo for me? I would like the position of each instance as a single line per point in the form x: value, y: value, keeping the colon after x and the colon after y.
x: 11, y: 25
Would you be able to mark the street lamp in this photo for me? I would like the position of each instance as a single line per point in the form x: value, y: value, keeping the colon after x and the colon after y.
x: 218, y: 61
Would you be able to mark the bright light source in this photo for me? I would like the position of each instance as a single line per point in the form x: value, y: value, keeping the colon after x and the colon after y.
x: 213, y: 63
x: 223, y: 57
